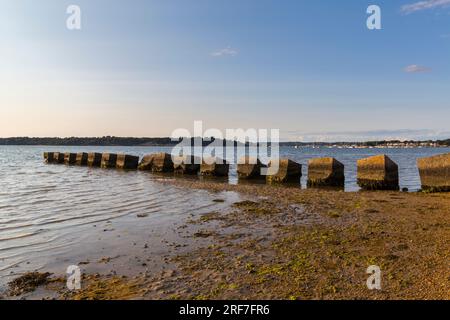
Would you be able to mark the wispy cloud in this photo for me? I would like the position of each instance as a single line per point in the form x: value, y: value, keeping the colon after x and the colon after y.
x: 228, y: 51
x: 424, y: 5
x: 357, y: 136
x: 414, y: 68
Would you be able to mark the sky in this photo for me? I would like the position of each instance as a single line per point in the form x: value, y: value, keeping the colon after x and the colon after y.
x: 310, y: 68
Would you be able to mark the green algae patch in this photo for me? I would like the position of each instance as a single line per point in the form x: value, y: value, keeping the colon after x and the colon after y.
x: 252, y: 207
x: 96, y: 287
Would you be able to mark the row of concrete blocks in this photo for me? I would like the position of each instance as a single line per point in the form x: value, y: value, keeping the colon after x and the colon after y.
x: 374, y: 173
x: 103, y: 160
x: 159, y: 162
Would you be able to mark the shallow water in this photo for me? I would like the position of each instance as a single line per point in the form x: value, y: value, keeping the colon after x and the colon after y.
x: 51, y: 210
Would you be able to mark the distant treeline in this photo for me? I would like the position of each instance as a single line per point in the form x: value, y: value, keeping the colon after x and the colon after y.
x: 130, y: 141
x: 90, y: 141
x: 98, y: 141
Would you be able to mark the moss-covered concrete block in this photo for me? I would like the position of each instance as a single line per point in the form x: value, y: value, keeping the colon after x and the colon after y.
x: 109, y: 160
x: 82, y: 159
x: 249, y: 168
x: 377, y: 173
x: 70, y: 158
x: 325, y: 172
x: 158, y: 162
x: 435, y: 173
x: 214, y: 167
x: 128, y: 162
x: 48, y: 157
x: 186, y: 164
x: 58, y: 157
x: 284, y: 171
x: 94, y: 159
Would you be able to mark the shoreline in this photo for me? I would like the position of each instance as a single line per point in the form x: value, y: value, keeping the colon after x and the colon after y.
x: 284, y: 243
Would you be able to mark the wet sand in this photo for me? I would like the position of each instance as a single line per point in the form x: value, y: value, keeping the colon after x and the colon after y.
x: 270, y: 242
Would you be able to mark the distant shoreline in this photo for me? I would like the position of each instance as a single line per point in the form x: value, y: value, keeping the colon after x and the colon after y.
x: 167, y: 142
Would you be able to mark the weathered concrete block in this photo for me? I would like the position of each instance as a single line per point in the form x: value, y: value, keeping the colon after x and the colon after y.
x: 215, y: 167
x: 125, y: 161
x: 109, y: 160
x: 70, y: 158
x: 435, y: 173
x: 58, y: 157
x: 158, y: 162
x: 186, y: 164
x: 249, y: 168
x: 378, y: 173
x: 82, y: 159
x: 288, y: 171
x: 94, y: 159
x: 325, y: 172
x: 48, y: 157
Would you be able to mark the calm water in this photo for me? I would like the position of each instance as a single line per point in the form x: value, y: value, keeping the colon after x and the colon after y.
x: 46, y: 209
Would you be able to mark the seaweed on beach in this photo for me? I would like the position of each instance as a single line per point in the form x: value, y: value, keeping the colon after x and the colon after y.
x: 28, y: 283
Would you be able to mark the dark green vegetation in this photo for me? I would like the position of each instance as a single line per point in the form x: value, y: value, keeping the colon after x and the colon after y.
x: 89, y: 141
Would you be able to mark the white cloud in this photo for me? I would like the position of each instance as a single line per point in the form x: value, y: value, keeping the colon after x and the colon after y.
x: 414, y: 68
x: 228, y: 51
x: 424, y: 5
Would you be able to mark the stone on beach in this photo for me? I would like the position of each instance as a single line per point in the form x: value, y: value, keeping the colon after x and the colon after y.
x: 215, y: 167
x: 158, y: 162
x: 109, y: 160
x: 70, y: 158
x: 125, y: 161
x: 325, y: 172
x: 82, y: 159
x: 186, y: 164
x: 377, y: 173
x: 288, y: 171
x: 94, y: 159
x: 249, y: 168
x: 435, y: 173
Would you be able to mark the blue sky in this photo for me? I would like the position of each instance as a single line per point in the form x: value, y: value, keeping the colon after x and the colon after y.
x: 144, y: 68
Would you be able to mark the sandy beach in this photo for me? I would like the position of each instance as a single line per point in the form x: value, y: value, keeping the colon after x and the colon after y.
x: 273, y: 242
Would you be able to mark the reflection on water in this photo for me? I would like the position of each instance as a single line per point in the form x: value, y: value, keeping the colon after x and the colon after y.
x: 45, y: 207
